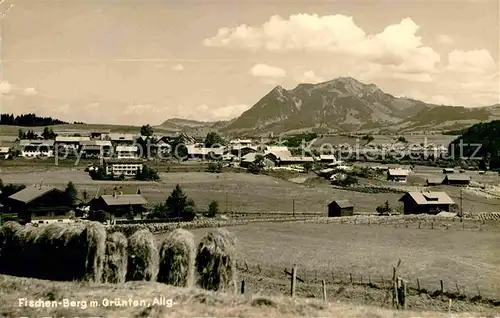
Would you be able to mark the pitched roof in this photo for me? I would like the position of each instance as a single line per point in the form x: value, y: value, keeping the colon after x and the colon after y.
x: 124, y: 199
x: 458, y: 177
x: 123, y: 160
x: 26, y: 142
x: 435, y: 180
x: 31, y: 193
x: 343, y: 203
x: 125, y: 189
x: 95, y: 143
x: 424, y: 198
x: 398, y: 172
x: 282, y: 153
x: 127, y: 148
x: 70, y: 139
x: 124, y: 137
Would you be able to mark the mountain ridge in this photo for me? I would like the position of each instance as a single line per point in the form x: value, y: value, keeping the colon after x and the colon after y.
x: 345, y: 104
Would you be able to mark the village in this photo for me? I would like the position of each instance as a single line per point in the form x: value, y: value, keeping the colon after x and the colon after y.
x: 122, y: 158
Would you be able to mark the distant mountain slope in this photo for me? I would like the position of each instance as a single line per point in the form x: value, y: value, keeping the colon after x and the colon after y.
x: 345, y: 104
x: 191, y: 126
x: 480, y: 140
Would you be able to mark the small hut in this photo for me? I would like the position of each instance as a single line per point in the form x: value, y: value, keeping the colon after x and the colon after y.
x: 340, y: 208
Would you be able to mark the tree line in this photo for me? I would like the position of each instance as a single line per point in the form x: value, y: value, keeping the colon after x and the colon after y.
x: 28, y: 120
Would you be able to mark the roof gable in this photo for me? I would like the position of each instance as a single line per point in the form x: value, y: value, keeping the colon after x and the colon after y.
x: 30, y: 194
x: 424, y: 198
x: 342, y: 204
x: 124, y: 199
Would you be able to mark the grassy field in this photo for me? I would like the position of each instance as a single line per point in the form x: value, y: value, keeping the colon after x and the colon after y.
x: 186, y: 302
x: 241, y: 192
x: 458, y: 257
x: 9, y: 131
x: 386, y: 139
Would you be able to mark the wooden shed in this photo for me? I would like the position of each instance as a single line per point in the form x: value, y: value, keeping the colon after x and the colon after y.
x: 340, y: 208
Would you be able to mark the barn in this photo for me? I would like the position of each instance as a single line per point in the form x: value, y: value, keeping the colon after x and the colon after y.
x: 340, y: 208
x: 457, y: 180
x: 426, y: 202
x: 38, y: 201
x: 119, y: 205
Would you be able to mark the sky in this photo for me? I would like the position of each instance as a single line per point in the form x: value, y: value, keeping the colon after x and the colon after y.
x: 131, y: 62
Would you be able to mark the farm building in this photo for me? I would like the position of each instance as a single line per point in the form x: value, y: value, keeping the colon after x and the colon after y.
x: 201, y: 152
x: 121, y: 190
x: 38, y: 201
x: 36, y: 220
x: 100, y: 134
x: 4, y: 151
x: 457, y: 180
x: 37, y: 148
x: 121, y: 139
x: 283, y: 161
x: 119, y: 204
x: 448, y: 170
x: 69, y: 142
x: 340, y: 208
x: 127, y: 152
x: 426, y: 202
x: 434, y: 181
x: 126, y: 167
x: 249, y: 158
x: 397, y: 175
x: 96, y: 148
x: 327, y: 158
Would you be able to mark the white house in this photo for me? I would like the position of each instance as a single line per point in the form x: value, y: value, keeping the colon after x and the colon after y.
x: 70, y: 142
x: 127, y: 152
x: 4, y: 152
x: 37, y: 148
x: 238, y: 144
x: 200, y: 151
x: 127, y: 167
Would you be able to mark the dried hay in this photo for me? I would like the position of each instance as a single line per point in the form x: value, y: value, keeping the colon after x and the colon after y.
x: 143, y: 256
x: 116, y: 259
x: 94, y: 237
x: 177, y: 257
x: 54, y: 251
x: 216, y: 261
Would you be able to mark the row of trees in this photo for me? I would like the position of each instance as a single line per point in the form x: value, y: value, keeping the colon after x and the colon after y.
x: 179, y: 206
x: 28, y: 120
x: 47, y: 133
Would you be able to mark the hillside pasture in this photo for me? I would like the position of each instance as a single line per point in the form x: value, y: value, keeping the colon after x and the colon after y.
x: 242, y: 192
x: 414, y: 140
x: 458, y: 257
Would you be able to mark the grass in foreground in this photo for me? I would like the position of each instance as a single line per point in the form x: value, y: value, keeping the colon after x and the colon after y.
x: 462, y: 258
x: 185, y: 302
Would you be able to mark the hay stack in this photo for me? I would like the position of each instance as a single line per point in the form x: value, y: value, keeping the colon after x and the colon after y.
x: 8, y: 248
x: 177, y: 257
x: 54, y: 251
x: 115, y: 263
x: 94, y: 237
x: 143, y: 256
x: 216, y: 261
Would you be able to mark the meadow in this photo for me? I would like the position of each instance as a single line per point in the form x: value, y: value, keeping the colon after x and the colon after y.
x: 465, y: 258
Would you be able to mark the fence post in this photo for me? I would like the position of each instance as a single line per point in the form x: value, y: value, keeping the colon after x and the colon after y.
x: 294, y: 277
x: 458, y: 288
x: 243, y: 286
x: 324, y: 290
x: 350, y: 277
x: 442, y: 286
x: 418, y: 284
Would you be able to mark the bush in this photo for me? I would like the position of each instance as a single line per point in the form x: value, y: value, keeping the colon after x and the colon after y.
x: 213, y: 209
x: 215, y: 167
x: 384, y: 208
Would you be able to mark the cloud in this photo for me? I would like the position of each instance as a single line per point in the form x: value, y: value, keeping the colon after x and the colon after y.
x: 6, y: 88
x: 178, y: 67
x: 445, y: 39
x: 264, y: 70
x: 310, y: 78
x: 474, y: 61
x: 396, y: 45
x: 30, y: 91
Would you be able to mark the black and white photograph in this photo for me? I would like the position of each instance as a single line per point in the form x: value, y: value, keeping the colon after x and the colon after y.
x: 234, y: 158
